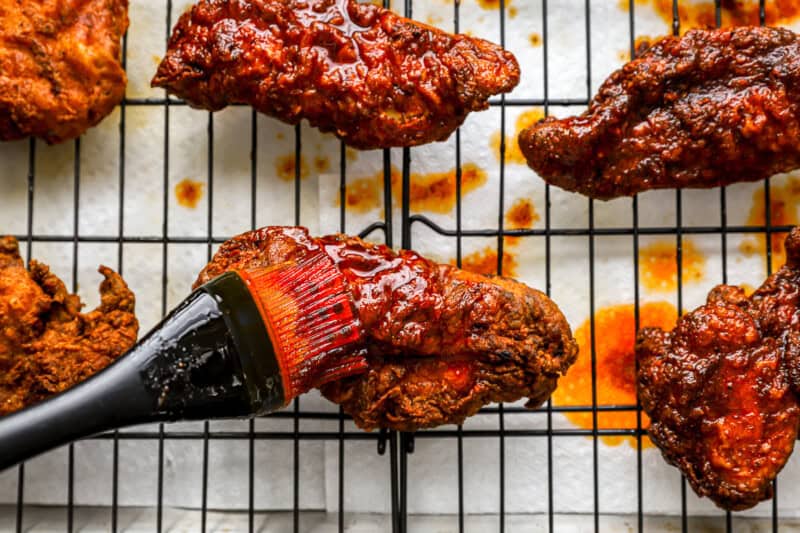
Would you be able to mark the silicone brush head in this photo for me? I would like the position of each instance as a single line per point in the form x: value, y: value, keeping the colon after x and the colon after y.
x: 311, y: 319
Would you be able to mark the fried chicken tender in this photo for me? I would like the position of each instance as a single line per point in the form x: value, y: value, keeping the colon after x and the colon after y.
x: 721, y: 388
x: 371, y: 77
x: 46, y: 344
x: 710, y: 108
x: 60, y: 70
x: 442, y: 342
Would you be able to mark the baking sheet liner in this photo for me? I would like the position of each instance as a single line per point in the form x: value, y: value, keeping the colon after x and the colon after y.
x: 215, y: 152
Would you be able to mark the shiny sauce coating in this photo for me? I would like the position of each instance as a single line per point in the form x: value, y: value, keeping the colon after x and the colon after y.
x: 442, y: 342
x: 371, y: 77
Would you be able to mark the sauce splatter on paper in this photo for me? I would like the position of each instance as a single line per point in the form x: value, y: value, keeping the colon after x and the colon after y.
x: 658, y: 267
x: 615, y: 364
x: 702, y: 14
x: 521, y: 215
x: 485, y: 262
x: 434, y: 192
x: 322, y: 164
x: 495, y: 4
x: 286, y: 169
x: 513, y: 153
x: 365, y: 194
x: 784, y: 200
x: 535, y: 39
x: 188, y: 193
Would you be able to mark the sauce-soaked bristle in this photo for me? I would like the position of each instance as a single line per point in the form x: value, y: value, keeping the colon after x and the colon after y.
x: 312, y: 321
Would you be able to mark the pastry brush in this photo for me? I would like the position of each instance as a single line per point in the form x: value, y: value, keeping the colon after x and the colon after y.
x: 243, y: 344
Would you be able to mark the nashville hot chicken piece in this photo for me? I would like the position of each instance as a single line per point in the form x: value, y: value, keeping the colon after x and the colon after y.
x: 721, y: 388
x: 46, y: 344
x: 364, y: 73
x: 710, y: 108
x: 60, y: 68
x: 441, y: 342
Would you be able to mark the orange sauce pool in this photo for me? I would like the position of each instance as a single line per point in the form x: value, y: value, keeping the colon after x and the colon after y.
x: 701, y: 13
x: 434, y: 192
x: 658, y: 269
x: 485, y: 262
x: 285, y: 167
x: 615, y: 363
x: 188, y: 193
x: 513, y: 153
x: 784, y: 200
x: 535, y: 39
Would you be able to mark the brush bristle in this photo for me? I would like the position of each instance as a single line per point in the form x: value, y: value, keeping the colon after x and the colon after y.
x: 312, y: 321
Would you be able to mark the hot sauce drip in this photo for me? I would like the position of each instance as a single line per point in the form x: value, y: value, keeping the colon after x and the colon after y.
x: 434, y: 192
x: 322, y: 164
x: 365, y: 194
x: 702, y: 14
x: 189, y: 192
x: 513, y: 153
x: 784, y: 200
x: 615, y: 335
x: 286, y: 167
x: 495, y: 4
x: 658, y: 267
x: 485, y: 262
x: 521, y: 215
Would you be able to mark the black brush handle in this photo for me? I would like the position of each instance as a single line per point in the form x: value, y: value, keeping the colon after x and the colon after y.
x: 209, y: 358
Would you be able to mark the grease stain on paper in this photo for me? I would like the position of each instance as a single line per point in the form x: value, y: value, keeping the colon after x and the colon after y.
x: 615, y: 368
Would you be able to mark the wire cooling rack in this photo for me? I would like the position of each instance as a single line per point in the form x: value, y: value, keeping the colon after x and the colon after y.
x: 396, y: 448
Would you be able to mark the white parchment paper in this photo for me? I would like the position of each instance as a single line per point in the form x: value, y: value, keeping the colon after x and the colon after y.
x: 121, y: 193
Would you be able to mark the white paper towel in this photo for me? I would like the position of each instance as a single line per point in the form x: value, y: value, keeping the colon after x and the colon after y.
x: 225, y: 169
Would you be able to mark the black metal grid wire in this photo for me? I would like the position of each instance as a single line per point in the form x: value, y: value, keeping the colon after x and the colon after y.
x: 400, y: 446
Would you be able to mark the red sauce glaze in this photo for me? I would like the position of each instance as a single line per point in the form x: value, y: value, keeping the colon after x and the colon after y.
x: 441, y: 341
x: 459, y: 375
x: 721, y: 387
x: 361, y: 72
